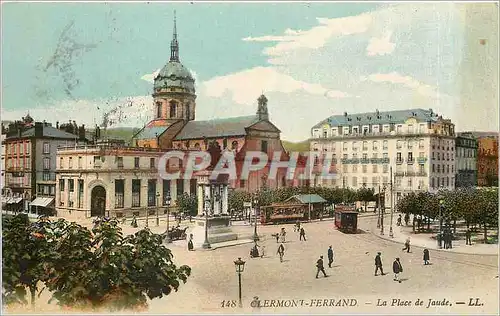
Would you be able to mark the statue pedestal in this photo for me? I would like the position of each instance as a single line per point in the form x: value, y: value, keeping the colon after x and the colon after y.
x: 219, y: 230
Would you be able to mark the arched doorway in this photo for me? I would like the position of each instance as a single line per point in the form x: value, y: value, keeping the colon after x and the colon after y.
x: 98, y: 201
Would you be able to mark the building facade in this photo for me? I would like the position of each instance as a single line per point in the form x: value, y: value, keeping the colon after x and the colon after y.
x: 30, y: 160
x: 107, y: 180
x: 175, y: 127
x: 417, y: 144
x: 487, y: 161
x: 466, y: 160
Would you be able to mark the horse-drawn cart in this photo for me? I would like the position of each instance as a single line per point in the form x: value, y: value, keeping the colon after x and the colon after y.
x: 176, y: 233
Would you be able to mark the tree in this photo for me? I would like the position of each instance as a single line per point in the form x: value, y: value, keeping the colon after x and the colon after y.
x: 24, y: 251
x: 237, y: 198
x: 188, y: 204
x: 366, y: 195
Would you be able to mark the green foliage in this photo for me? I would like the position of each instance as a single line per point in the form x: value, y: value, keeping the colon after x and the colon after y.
x: 236, y: 198
x: 188, y: 204
x: 83, y: 268
x: 296, y: 147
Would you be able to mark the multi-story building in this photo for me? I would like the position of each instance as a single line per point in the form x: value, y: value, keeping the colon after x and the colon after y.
x: 487, y: 161
x: 417, y: 144
x: 466, y: 160
x: 30, y: 159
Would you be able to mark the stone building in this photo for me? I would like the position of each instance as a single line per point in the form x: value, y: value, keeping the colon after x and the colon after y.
x: 175, y: 127
x: 487, y: 161
x: 418, y: 144
x: 466, y: 160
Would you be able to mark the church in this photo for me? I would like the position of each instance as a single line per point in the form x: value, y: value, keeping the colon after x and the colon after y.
x: 174, y: 125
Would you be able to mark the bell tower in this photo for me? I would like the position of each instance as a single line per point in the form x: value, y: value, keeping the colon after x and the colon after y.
x: 262, y: 108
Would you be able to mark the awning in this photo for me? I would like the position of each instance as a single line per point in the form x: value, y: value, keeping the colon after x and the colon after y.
x: 14, y: 200
x: 42, y: 201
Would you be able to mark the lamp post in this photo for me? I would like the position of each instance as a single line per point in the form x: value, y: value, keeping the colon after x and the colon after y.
x: 391, y: 233
x: 440, y: 235
x: 206, y: 204
x: 240, y: 267
x: 167, y: 203
x: 157, y: 208
x: 255, y: 205
x: 382, y: 212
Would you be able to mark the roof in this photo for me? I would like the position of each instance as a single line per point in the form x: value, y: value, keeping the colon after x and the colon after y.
x: 150, y: 132
x: 233, y: 126
x: 308, y: 198
x: 48, y: 131
x: 174, y: 74
x: 367, y: 118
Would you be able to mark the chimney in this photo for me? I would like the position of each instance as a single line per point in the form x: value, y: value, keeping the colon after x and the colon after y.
x: 81, y: 132
x: 57, y: 124
x: 39, y: 129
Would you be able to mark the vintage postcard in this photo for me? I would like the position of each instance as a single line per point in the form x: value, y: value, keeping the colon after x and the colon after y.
x: 249, y: 157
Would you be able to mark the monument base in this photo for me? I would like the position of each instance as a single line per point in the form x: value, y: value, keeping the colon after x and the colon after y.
x: 219, y: 230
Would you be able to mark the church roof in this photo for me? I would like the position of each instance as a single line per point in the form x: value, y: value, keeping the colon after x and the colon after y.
x: 150, y: 132
x: 387, y: 117
x: 174, y: 74
x: 233, y: 126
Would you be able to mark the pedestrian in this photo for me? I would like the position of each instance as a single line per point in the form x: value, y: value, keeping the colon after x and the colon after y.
x: 468, y: 234
x: 320, y: 267
x: 281, y: 252
x: 407, y: 245
x: 263, y: 248
x: 330, y: 256
x: 399, y: 220
x: 378, y: 264
x: 190, y: 243
x: 302, y: 234
x: 426, y: 256
x: 283, y: 234
x: 277, y: 235
x: 397, y: 268
x: 407, y: 218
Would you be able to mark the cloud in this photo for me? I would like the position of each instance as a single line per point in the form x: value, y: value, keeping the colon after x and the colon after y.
x: 407, y: 81
x: 245, y: 86
x: 151, y: 77
x: 380, y: 45
x: 315, y: 37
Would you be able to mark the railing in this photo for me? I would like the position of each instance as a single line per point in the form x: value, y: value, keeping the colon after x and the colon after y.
x: 119, y: 200
x: 410, y: 161
x: 372, y: 134
x: 422, y: 159
x: 365, y: 160
x: 136, y: 199
x: 399, y: 161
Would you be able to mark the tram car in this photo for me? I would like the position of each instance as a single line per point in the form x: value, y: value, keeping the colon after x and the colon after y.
x: 346, y: 219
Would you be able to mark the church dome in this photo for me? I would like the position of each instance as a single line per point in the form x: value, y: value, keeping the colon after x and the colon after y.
x: 174, y: 75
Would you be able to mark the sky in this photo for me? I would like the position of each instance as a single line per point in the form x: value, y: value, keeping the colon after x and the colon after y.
x: 80, y: 61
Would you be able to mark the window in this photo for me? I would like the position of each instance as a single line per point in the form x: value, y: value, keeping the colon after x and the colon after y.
x: 398, y: 157
x: 399, y: 144
x: 365, y: 168
x: 151, y: 163
x: 21, y: 148
x: 375, y: 181
x: 70, y: 163
x: 421, y: 143
x: 136, y: 162
x: 365, y: 145
x: 355, y: 156
x: 119, y: 193
x: 119, y: 162
x: 61, y: 163
x: 432, y: 183
x: 442, y: 182
x: 354, y: 181
x: 421, y: 154
x: 386, y: 180
x: 410, y: 144
x: 344, y: 156
x: 448, y: 168
x: 398, y: 182
x: 399, y: 129
x: 151, y: 192
x: 173, y: 106
x: 136, y: 192
x: 354, y: 145
x: 80, y: 159
x: 344, y: 146
x: 385, y: 168
x: 263, y: 146
x: 158, y: 109
x: 97, y: 161
x: 46, y: 148
x: 438, y: 168
x: 180, y: 187
x: 71, y: 185
x: 365, y: 181
x: 375, y: 155
x: 193, y: 186
x: 61, y: 185
x: 242, y: 183
x: 410, y: 157
x: 46, y: 163
x: 410, y: 183
x: 344, y: 168
x: 365, y: 156
x: 447, y: 181
x: 452, y: 169
x: 433, y: 168
x: 375, y: 169
x: 438, y: 156
x: 385, y: 155
x: 410, y: 129
x: 421, y: 169
x: 325, y: 133
x: 375, y: 145
x: 46, y: 176
x: 354, y: 168
x: 80, y: 193
x: 384, y: 145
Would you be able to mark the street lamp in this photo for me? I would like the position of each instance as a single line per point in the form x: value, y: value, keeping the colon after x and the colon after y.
x: 157, y: 208
x: 206, y: 201
x: 167, y: 203
x: 255, y: 204
x: 440, y: 236
x: 240, y: 266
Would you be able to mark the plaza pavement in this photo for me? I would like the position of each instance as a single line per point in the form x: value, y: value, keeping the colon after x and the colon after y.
x: 452, y: 276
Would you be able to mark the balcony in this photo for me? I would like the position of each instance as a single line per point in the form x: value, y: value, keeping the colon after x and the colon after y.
x: 399, y: 161
x: 421, y: 160
x: 410, y: 161
x: 365, y: 160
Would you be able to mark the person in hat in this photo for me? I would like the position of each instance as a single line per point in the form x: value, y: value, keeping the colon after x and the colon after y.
x: 426, y: 256
x: 320, y: 267
x: 397, y: 268
x: 378, y: 264
x: 330, y: 256
x: 281, y: 252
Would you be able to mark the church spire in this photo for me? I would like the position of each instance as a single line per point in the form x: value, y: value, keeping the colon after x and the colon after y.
x: 174, y: 44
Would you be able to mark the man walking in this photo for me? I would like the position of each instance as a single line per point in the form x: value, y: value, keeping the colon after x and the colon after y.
x: 281, y: 252
x: 378, y: 264
x: 407, y: 245
x: 467, y: 237
x: 330, y: 257
x: 397, y: 268
x: 320, y: 267
x: 427, y: 256
x: 302, y: 234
